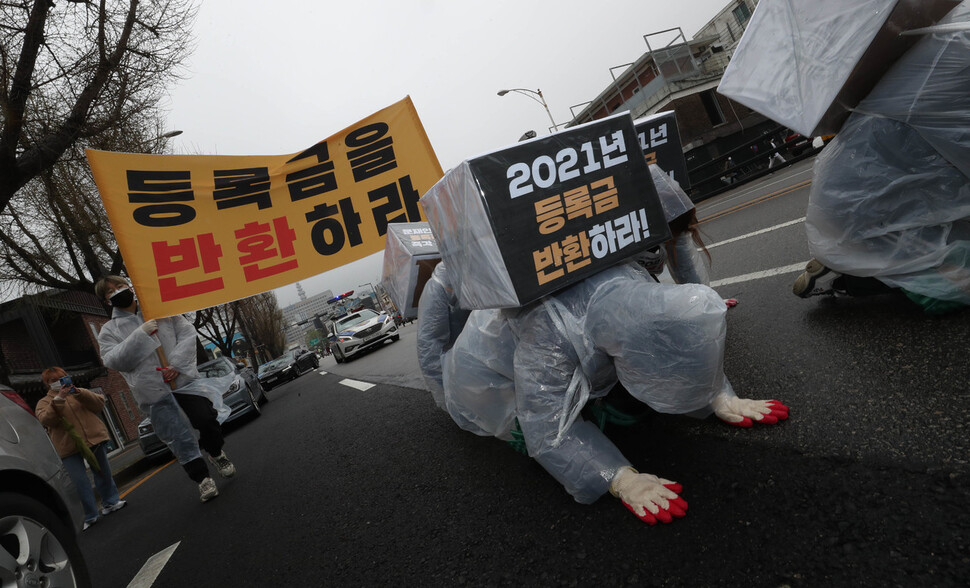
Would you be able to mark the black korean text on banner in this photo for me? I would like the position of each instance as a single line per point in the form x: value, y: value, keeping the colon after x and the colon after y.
x: 196, y: 231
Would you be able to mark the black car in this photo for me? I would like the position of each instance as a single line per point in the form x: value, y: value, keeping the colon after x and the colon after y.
x: 286, y: 367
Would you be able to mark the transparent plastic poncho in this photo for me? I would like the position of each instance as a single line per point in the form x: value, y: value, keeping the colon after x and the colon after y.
x: 686, y: 263
x: 891, y: 194
x: 440, y: 321
x: 542, y: 363
x: 805, y: 64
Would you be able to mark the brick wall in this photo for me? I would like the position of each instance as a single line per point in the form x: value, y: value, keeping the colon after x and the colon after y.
x: 114, y: 386
x: 20, y: 358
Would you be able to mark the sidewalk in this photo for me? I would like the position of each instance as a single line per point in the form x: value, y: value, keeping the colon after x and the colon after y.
x: 128, y: 464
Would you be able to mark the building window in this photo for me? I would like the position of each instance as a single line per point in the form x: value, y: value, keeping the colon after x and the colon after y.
x: 742, y: 13
x: 709, y: 100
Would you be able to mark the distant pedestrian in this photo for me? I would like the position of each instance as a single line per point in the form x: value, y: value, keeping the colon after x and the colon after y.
x: 70, y: 415
x: 776, y: 157
x: 730, y: 174
x: 131, y: 345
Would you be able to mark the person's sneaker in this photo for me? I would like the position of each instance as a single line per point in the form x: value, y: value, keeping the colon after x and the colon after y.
x: 208, y: 490
x: 88, y: 523
x: 805, y: 284
x: 113, y: 507
x: 226, y: 469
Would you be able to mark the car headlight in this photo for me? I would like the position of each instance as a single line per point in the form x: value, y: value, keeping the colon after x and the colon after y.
x: 344, y: 339
x: 232, y: 388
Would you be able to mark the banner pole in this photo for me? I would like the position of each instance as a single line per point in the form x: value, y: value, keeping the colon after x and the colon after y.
x: 164, y: 361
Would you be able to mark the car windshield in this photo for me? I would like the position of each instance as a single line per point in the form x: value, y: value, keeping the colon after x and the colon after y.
x: 355, y: 319
x: 215, y: 369
x: 271, y: 365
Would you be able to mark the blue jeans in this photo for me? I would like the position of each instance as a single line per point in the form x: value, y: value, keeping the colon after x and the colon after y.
x: 74, y: 464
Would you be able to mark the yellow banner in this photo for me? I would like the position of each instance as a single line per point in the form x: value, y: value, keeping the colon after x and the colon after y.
x: 197, y: 231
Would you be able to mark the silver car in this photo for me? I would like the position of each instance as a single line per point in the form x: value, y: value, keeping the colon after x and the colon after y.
x: 40, y: 512
x: 244, y: 396
x: 359, y: 331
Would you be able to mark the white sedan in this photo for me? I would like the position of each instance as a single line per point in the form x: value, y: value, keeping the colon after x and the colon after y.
x: 359, y: 331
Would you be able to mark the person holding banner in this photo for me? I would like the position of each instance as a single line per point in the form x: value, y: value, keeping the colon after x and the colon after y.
x: 70, y: 415
x: 157, y: 358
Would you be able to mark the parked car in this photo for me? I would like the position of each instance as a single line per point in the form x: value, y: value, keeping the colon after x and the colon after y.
x: 359, y: 331
x: 305, y: 357
x: 40, y: 512
x: 151, y: 445
x: 289, y: 366
x: 797, y: 144
x: 244, y: 396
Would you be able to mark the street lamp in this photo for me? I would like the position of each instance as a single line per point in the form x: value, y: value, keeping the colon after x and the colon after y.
x: 376, y: 295
x: 152, y: 145
x: 532, y: 94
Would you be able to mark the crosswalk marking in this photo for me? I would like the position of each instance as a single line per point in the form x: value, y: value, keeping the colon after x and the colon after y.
x: 149, y: 572
x: 356, y: 384
x: 787, y: 269
x: 761, y: 232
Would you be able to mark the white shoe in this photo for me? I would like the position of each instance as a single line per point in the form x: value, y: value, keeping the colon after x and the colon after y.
x: 226, y: 469
x: 208, y: 490
x: 113, y: 507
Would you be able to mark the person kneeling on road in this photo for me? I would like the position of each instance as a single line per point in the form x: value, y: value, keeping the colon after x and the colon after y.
x: 136, y: 348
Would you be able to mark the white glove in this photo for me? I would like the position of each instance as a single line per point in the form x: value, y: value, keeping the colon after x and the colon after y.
x: 150, y: 327
x: 651, y: 498
x: 742, y: 412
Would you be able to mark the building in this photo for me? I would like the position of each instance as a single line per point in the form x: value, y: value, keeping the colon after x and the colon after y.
x: 60, y: 328
x: 682, y: 75
x: 299, y: 317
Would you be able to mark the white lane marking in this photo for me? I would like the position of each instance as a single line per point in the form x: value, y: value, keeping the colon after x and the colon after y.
x: 759, y: 232
x: 322, y: 373
x: 355, y: 384
x: 788, y: 269
x: 149, y: 572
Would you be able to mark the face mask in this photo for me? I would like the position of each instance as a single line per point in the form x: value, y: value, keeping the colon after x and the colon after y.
x: 122, y: 298
x: 55, y: 385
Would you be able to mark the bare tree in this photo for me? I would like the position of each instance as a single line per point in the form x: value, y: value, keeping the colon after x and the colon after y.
x: 76, y: 75
x: 261, y: 321
x: 74, y: 70
x: 217, y: 325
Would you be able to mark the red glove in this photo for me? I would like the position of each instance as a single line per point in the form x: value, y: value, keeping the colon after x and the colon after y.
x: 650, y: 498
x: 744, y: 412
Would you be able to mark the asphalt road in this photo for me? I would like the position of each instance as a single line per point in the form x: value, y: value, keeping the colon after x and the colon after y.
x: 345, y: 484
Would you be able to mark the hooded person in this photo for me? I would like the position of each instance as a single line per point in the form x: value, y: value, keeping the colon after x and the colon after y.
x: 173, y: 394
x: 440, y: 321
x: 687, y: 259
x: 663, y: 342
x: 541, y: 364
x: 890, y: 202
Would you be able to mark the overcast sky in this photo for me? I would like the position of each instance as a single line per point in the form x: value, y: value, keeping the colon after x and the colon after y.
x: 275, y: 78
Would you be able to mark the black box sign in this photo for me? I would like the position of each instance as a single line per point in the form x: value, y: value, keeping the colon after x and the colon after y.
x: 659, y: 138
x: 558, y: 209
x: 410, y: 255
